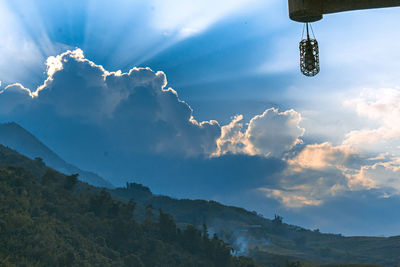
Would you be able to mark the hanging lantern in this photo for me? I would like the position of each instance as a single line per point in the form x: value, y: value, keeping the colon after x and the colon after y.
x: 309, y: 56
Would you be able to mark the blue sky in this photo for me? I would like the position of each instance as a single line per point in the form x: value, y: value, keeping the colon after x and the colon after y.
x: 221, y: 112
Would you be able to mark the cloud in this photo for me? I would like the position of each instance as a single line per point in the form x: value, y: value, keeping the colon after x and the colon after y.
x: 136, y: 113
x: 232, y: 139
x: 320, y: 156
x: 134, y: 109
x: 117, y: 122
x: 18, y: 87
x: 378, y: 104
x: 291, y: 199
x: 366, y: 159
x: 122, y: 122
x: 382, y: 175
x: 269, y: 134
x: 297, y: 189
x: 314, y: 174
x: 14, y: 96
x: 322, y: 171
x: 127, y: 124
x: 380, y: 138
x: 381, y: 107
x: 319, y: 172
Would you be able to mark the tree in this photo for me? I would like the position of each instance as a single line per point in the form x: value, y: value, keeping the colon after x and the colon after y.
x: 167, y: 226
x: 191, y: 239
x: 71, y: 181
x: 100, y: 204
x: 277, y: 220
x: 39, y: 161
x: 49, y: 177
x: 149, y: 212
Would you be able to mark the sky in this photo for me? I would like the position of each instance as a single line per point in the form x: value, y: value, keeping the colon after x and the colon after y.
x: 204, y: 99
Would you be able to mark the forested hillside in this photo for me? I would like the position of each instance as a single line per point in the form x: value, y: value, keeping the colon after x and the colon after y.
x: 268, y: 241
x: 51, y: 219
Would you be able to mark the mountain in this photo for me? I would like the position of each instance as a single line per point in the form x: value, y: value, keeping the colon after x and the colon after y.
x: 51, y: 219
x: 270, y: 242
x: 19, y: 139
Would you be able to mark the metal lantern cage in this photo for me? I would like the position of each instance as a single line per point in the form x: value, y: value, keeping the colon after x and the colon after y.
x: 307, y: 11
x: 309, y: 56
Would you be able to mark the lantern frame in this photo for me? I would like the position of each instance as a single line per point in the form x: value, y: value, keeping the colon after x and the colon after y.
x: 304, y: 45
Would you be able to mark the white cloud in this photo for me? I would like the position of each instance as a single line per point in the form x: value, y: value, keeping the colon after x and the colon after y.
x: 139, y: 101
x: 378, y: 104
x: 381, y: 107
x: 274, y: 132
x: 269, y: 134
x: 291, y: 199
x: 17, y: 87
x: 233, y: 139
x: 383, y: 175
x: 329, y: 170
x: 137, y: 113
x: 135, y: 109
x: 320, y: 156
x: 14, y: 96
x: 313, y: 176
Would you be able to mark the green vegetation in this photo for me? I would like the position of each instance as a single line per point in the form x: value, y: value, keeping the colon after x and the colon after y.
x: 268, y: 242
x: 51, y: 219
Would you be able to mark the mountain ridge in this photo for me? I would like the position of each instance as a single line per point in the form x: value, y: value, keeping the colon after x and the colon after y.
x: 249, y: 233
x: 268, y: 241
x: 18, y: 138
x: 271, y: 242
x: 51, y: 219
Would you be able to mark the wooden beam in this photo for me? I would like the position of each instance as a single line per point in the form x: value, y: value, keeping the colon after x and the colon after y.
x: 305, y: 10
x: 333, y: 6
x: 313, y: 10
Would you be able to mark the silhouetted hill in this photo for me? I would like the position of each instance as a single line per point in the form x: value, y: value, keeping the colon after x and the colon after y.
x: 19, y: 139
x: 270, y: 242
x: 51, y: 219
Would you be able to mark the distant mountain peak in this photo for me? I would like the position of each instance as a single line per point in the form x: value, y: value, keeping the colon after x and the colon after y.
x: 18, y: 138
